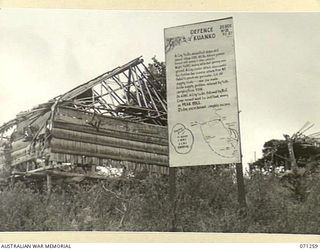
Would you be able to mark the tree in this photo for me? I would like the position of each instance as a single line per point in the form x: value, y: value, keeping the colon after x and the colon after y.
x: 276, y: 154
x: 296, y: 178
x: 158, y: 73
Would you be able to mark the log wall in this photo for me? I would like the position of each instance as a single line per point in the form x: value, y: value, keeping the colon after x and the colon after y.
x: 84, y: 138
x: 77, y: 138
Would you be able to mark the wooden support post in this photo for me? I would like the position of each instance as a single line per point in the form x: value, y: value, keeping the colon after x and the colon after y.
x: 239, y: 170
x: 241, y: 189
x: 172, y: 196
x: 294, y: 165
x: 49, y: 184
x: 93, y: 169
x: 293, y: 161
x: 12, y: 182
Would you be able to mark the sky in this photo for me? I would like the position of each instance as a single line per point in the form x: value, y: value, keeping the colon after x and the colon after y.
x: 44, y: 53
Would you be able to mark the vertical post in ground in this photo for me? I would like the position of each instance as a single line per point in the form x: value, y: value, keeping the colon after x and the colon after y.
x: 93, y: 169
x: 241, y: 189
x: 294, y: 165
x: 172, y: 196
x: 49, y: 184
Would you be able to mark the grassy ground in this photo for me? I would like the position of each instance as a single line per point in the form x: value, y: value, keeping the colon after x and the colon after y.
x: 206, y: 201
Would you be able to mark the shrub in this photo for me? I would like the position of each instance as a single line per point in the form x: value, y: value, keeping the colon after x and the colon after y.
x: 206, y: 201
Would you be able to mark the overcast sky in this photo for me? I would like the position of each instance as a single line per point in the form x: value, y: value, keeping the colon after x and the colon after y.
x: 44, y: 53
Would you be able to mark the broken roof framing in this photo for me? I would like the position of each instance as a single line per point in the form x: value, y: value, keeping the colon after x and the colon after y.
x: 129, y: 91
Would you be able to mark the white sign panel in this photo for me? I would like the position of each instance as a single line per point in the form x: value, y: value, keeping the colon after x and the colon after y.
x: 202, y: 94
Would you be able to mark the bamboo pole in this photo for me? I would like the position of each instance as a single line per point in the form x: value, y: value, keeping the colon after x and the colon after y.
x: 136, y: 88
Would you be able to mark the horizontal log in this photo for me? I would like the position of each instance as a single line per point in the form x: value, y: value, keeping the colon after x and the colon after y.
x: 115, y: 134
x: 76, y: 159
x: 21, y: 125
x: 131, y: 166
x: 92, y: 150
x: 67, y: 174
x: 22, y: 159
x: 108, y: 141
x: 20, y: 152
x: 36, y: 120
x: 26, y: 151
x: 59, y: 174
x: 109, y: 123
x: 40, y: 169
x: 100, y: 162
x: 79, y: 159
x: 19, y: 144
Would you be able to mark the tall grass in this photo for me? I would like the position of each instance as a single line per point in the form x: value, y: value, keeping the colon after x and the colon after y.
x: 206, y: 201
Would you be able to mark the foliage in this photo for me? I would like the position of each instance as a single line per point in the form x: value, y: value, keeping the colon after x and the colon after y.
x: 206, y: 201
x: 157, y: 71
x: 275, y: 153
x: 296, y: 180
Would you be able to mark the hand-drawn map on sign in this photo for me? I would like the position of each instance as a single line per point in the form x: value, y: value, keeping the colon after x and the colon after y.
x: 202, y: 94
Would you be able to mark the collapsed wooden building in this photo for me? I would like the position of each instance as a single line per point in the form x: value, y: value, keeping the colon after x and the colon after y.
x: 117, y: 120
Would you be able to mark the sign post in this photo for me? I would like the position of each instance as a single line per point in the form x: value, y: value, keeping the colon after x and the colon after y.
x: 241, y: 189
x: 172, y: 196
x: 203, y: 113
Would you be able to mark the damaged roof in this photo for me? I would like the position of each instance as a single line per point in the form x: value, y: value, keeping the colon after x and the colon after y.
x: 129, y: 91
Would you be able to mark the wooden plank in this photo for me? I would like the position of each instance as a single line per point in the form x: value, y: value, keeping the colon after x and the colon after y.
x: 109, y: 141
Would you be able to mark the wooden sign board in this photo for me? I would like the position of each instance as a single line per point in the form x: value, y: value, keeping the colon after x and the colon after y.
x: 202, y: 94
